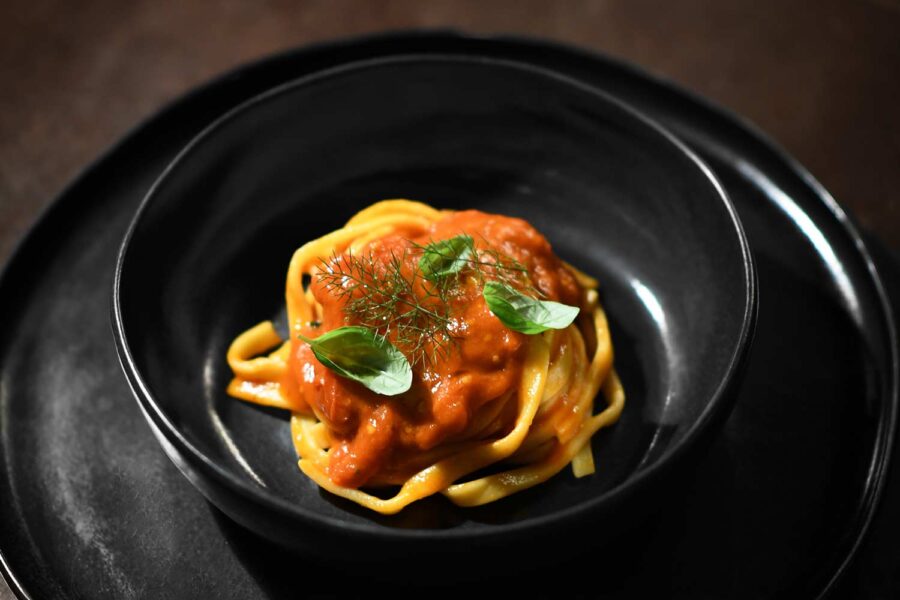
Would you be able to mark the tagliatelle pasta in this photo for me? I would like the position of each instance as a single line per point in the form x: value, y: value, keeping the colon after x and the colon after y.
x: 444, y: 352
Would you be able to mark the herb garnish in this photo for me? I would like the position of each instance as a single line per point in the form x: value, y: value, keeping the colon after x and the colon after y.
x: 447, y: 257
x: 410, y: 300
x: 358, y: 354
x: 403, y: 306
x: 522, y: 313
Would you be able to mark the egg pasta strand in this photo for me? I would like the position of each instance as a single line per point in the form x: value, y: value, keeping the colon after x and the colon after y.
x: 538, y: 428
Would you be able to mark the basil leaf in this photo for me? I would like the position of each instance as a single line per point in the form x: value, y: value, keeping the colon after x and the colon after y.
x: 524, y: 314
x: 446, y: 257
x: 359, y: 354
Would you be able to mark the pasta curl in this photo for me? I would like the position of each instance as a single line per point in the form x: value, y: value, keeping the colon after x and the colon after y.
x: 520, y: 407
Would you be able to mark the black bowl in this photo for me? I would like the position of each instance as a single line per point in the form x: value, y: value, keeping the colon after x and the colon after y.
x: 619, y: 197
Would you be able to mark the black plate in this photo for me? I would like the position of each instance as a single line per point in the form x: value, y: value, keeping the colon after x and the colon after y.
x: 93, y: 508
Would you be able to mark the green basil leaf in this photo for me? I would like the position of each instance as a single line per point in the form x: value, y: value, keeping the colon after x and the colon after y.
x: 359, y: 354
x: 524, y: 314
x: 446, y: 257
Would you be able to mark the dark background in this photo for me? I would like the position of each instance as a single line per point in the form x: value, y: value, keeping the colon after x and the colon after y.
x: 821, y: 77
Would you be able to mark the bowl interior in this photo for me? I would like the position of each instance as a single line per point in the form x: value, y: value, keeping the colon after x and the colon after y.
x: 209, y: 252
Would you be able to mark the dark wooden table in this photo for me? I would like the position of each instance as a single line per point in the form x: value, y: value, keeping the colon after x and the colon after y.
x: 822, y: 77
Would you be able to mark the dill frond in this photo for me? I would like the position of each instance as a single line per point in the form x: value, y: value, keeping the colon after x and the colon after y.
x: 395, y: 299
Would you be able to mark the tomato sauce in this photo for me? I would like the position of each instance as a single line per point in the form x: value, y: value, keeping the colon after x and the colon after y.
x: 381, y: 439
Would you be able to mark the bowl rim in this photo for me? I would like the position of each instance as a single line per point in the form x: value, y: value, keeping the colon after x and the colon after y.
x: 162, y: 424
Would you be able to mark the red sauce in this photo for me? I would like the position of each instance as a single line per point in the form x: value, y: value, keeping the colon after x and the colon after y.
x: 379, y: 439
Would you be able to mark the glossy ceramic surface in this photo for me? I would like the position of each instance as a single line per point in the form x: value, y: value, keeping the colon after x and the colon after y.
x: 777, y: 506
